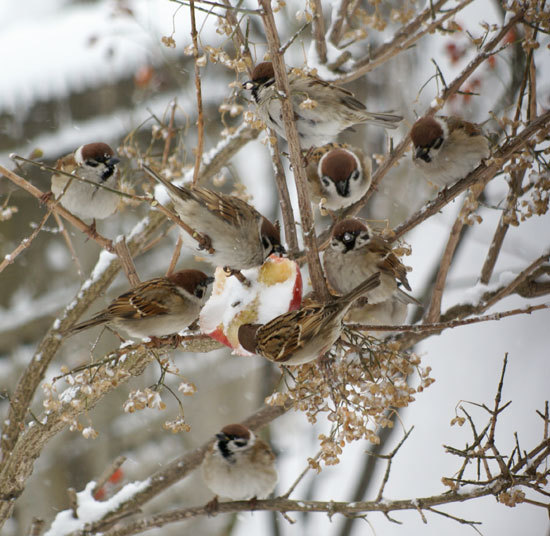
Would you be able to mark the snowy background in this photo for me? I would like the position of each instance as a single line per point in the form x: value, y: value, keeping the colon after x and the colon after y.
x: 73, y: 73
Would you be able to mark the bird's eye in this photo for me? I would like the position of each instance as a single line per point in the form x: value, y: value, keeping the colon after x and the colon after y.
x: 355, y: 175
x: 325, y: 181
x: 92, y: 163
x: 240, y: 442
x: 266, y: 243
x: 347, y: 238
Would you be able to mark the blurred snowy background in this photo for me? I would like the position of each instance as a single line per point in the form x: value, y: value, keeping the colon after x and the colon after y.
x: 76, y: 71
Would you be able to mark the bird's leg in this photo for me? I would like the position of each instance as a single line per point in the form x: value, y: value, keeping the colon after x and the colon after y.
x: 306, y: 155
x: 253, y: 503
x: 204, y: 242
x: 237, y: 273
x: 92, y: 230
x: 158, y: 342
x: 212, y: 506
x: 45, y: 197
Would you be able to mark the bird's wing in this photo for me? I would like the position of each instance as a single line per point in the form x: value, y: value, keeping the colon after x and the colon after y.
x: 146, y: 300
x: 389, y: 262
x: 66, y: 163
x: 455, y: 123
x: 229, y: 208
x: 281, y: 337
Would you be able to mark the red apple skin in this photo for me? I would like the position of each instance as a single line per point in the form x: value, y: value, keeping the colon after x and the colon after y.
x: 295, y: 302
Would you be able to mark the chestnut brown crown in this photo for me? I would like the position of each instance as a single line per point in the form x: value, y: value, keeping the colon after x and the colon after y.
x: 426, y: 131
x: 338, y: 164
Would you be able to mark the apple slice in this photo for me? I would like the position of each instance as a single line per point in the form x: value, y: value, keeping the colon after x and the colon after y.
x: 275, y: 288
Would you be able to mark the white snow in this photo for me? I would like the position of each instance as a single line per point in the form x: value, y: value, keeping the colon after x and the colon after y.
x: 90, y: 510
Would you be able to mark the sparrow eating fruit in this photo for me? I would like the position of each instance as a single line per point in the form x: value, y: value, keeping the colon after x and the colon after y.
x: 239, y: 465
x: 240, y: 236
x: 95, y: 162
x: 303, y: 335
x: 338, y: 175
x: 321, y: 109
x: 156, y: 307
x: 447, y: 148
x: 355, y: 253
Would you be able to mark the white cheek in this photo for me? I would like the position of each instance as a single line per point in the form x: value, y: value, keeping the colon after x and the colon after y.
x: 78, y: 156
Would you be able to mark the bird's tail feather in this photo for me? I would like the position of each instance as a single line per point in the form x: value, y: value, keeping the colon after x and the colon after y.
x: 94, y: 321
x: 381, y: 119
x: 172, y: 188
x: 403, y: 297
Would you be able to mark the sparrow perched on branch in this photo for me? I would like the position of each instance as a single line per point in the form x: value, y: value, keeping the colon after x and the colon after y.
x: 303, y: 335
x: 239, y: 465
x: 338, y: 174
x: 96, y: 163
x: 355, y: 253
x: 321, y: 109
x: 447, y: 148
x: 240, y: 236
x: 156, y: 307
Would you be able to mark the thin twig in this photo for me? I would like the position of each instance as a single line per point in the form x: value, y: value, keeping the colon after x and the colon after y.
x: 518, y: 280
x: 336, y: 30
x: 319, y: 31
x: 37, y: 527
x: 175, y: 256
x: 170, y: 133
x: 439, y: 326
x: 308, y: 225
x: 200, y: 120
x: 403, y: 38
x: 73, y: 502
x: 241, y: 45
x: 434, y: 311
x: 24, y: 244
x: 68, y: 241
x: 514, y: 190
x: 109, y: 471
x: 390, y: 457
x: 126, y: 261
x: 300, y: 477
x: 287, y: 212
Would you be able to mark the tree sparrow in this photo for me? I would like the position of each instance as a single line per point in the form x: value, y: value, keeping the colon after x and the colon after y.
x: 321, y: 110
x: 338, y: 174
x: 447, y: 148
x: 156, y: 307
x: 240, y: 236
x: 95, y: 162
x: 239, y: 465
x: 355, y: 253
x: 303, y: 335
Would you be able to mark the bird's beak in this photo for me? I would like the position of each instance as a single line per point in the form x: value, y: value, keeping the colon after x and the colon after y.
x: 221, y: 437
x: 342, y: 188
x: 113, y: 161
x: 249, y: 84
x: 209, y: 280
x: 423, y: 153
x: 280, y: 249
